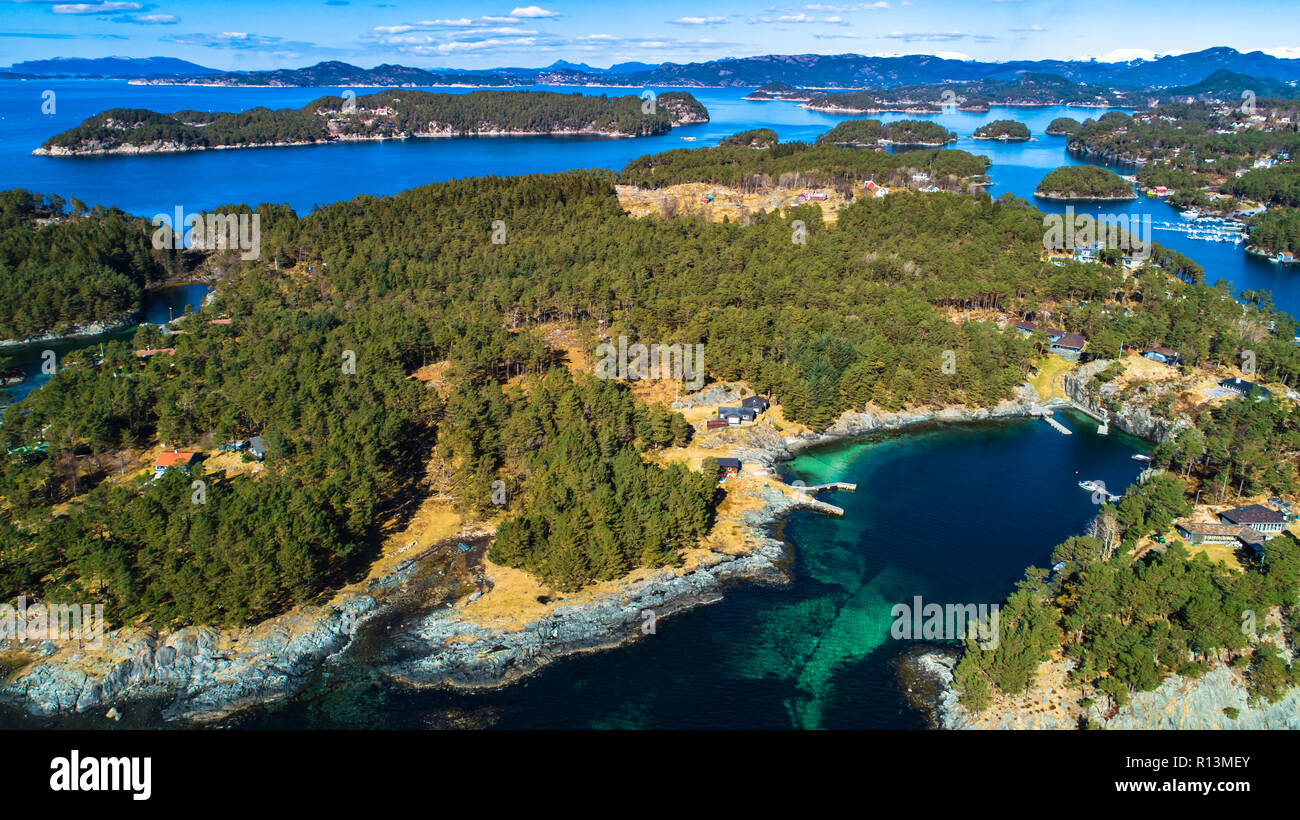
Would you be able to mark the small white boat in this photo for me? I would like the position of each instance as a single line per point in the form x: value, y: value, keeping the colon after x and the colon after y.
x: 1095, y: 487
x: 1145, y: 459
x: 1191, y: 213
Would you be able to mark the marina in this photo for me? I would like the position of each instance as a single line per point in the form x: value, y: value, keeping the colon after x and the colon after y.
x: 1205, y: 228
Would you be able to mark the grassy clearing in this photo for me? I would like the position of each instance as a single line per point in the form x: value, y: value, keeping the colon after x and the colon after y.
x: 1049, y: 368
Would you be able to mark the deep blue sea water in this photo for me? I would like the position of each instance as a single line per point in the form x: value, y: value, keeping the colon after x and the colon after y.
x: 312, y: 175
x: 951, y: 513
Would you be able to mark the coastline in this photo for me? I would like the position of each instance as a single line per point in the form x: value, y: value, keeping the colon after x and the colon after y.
x: 410, y: 621
x: 83, y: 331
x: 173, y: 148
x: 1178, y: 703
x: 1057, y: 196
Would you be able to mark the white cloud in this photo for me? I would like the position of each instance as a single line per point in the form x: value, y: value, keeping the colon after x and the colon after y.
x: 796, y: 18
x: 697, y: 21
x: 936, y: 36
x: 1284, y: 52
x: 532, y: 11
x: 148, y: 19
x: 95, y: 8
x: 1123, y: 55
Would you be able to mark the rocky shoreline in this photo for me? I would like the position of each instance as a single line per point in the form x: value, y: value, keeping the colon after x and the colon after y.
x: 406, y: 625
x: 76, y: 332
x: 1219, y: 699
x: 435, y: 130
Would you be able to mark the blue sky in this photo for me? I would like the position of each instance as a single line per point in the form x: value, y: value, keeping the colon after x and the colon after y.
x: 259, y: 34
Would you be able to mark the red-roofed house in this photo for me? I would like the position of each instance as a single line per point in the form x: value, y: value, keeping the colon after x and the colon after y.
x: 154, y: 351
x: 174, y: 458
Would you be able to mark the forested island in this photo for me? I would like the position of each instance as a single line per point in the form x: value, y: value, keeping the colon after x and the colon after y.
x: 1008, y: 130
x: 1062, y: 126
x: 867, y: 102
x: 384, y: 115
x: 458, y: 384
x: 89, y: 266
x: 902, y: 132
x: 1029, y: 89
x: 817, y: 163
x: 1084, y: 182
x: 1199, y: 137
x: 779, y: 91
x: 1212, y: 156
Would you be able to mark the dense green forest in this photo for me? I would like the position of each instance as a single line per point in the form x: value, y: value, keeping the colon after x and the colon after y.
x: 1084, y: 182
x: 595, y: 509
x: 1002, y: 129
x: 62, y: 269
x: 797, y: 163
x: 1193, y: 136
x: 857, y: 314
x: 1279, y: 185
x: 385, y: 113
x: 1127, y: 624
x: 753, y: 138
x: 1030, y: 88
x: 1277, y: 229
x: 870, y: 100
x: 900, y: 132
x: 1062, y: 126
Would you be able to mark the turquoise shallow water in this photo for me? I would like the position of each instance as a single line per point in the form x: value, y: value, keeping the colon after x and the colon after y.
x: 952, y: 513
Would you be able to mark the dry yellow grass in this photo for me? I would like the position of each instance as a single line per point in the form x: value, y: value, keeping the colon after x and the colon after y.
x: 436, y: 375
x: 516, y: 598
x: 727, y: 202
x: 1139, y: 369
x: 1049, y: 370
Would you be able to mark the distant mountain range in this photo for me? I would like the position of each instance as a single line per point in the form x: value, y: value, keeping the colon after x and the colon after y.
x: 1224, y: 84
x: 108, y: 67
x: 818, y: 71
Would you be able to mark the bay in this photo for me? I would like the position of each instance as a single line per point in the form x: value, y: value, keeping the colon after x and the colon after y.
x: 953, y: 513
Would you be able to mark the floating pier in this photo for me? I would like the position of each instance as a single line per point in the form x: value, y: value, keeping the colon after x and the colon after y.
x: 1046, y: 415
x: 834, y: 485
x: 1060, y: 428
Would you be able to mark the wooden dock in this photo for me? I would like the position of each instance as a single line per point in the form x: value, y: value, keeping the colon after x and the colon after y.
x: 834, y: 485
x: 1060, y: 428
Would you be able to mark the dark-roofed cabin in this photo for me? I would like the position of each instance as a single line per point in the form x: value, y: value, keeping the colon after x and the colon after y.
x: 1257, y: 516
x: 1164, y: 355
x: 1247, y: 389
x: 1253, y: 540
x: 728, y: 466
x: 1196, y: 532
x: 256, y: 448
x: 1068, y: 346
x: 755, y: 403
x: 736, y: 415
